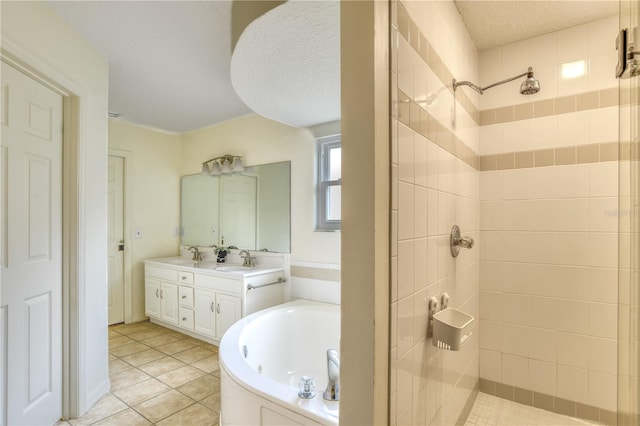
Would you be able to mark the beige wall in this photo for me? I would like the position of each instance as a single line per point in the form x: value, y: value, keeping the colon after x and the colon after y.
x: 155, y: 161
x: 36, y: 36
x: 434, y: 186
x: 549, y: 199
x: 259, y: 140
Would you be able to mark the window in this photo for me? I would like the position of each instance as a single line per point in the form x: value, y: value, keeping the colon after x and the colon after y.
x: 328, y: 183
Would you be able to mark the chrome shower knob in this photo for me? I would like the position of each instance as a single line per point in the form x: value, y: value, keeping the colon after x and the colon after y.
x: 456, y: 241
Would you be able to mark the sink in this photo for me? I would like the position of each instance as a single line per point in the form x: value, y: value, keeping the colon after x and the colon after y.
x: 181, y: 262
x: 233, y: 268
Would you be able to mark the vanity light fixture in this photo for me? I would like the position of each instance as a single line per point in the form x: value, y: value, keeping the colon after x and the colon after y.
x: 224, y: 164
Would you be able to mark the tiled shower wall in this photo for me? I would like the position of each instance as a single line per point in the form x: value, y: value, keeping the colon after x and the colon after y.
x: 549, y: 222
x: 434, y: 186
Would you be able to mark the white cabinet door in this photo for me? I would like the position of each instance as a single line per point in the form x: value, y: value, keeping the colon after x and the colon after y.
x: 169, y: 302
x: 204, y: 307
x: 228, y: 311
x: 152, y: 297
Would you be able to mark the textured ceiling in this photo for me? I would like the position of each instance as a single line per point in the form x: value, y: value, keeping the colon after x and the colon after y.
x: 168, y: 60
x: 494, y: 23
x: 286, y: 64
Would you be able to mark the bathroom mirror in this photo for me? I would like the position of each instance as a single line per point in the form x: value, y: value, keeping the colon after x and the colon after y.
x: 249, y: 210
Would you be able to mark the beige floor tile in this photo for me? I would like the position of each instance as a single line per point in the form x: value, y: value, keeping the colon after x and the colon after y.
x: 127, y: 378
x: 208, y: 364
x: 212, y: 401
x: 140, y: 392
x: 180, y: 376
x: 128, y: 329
x: 117, y: 365
x: 163, y: 406
x: 121, y: 340
x: 161, y: 340
x: 107, y: 406
x: 161, y: 366
x: 196, y: 415
x: 192, y: 355
x: 128, y: 417
x: 146, y: 334
x: 143, y: 357
x: 112, y: 357
x: 201, y: 388
x: 175, y: 347
x: 113, y: 333
x: 209, y: 346
x: 129, y: 349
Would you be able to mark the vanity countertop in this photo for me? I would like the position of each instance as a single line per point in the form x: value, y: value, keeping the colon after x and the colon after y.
x: 212, y: 267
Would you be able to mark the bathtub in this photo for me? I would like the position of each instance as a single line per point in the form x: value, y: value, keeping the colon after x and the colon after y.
x: 283, y: 343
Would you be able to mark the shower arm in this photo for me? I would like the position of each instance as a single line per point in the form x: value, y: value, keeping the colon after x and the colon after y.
x: 482, y: 89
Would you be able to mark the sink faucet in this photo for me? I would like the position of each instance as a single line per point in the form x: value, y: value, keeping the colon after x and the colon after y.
x: 247, y: 259
x: 332, y: 392
x: 197, y: 256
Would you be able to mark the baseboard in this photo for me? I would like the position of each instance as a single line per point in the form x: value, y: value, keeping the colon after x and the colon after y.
x: 95, y: 395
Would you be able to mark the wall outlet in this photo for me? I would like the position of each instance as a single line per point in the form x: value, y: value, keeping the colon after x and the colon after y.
x: 138, y: 232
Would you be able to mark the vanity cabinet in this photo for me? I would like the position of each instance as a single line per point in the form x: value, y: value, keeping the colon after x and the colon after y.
x: 204, y: 302
x: 161, y: 300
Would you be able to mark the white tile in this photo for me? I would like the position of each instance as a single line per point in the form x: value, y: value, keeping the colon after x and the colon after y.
x: 420, y: 80
x: 603, y: 179
x: 600, y: 75
x: 573, y: 383
x: 596, y: 42
x: 406, y: 258
x: 517, y: 134
x: 491, y: 215
x: 492, y: 245
x: 432, y: 165
x: 405, y: 67
x: 490, y: 335
x: 573, y: 129
x: 542, y: 376
x: 573, y: 349
x: 544, y: 312
x: 420, y: 263
x: 492, y: 139
x: 404, y: 394
x: 491, y: 186
x: 544, y: 132
x: 405, y: 326
x: 432, y: 260
x: 603, y: 285
x: 515, y: 340
x: 516, y: 308
x: 572, y: 181
x: 491, y: 275
x: 517, y: 215
x: 573, y: 316
x: 516, y: 184
x: 490, y: 365
x: 603, y: 355
x: 603, y: 390
x: 393, y: 335
x: 604, y: 250
x: 420, y: 167
x: 573, y: 248
x: 603, y: 125
x: 603, y: 320
x: 406, y: 153
x: 406, y: 200
x: 542, y: 345
x: 490, y: 305
x: 543, y: 56
x: 515, y: 371
x: 420, y: 315
x: 544, y: 214
x: 603, y: 214
x: 420, y: 214
x: 394, y: 279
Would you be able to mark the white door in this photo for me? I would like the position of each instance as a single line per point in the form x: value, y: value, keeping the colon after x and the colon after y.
x: 238, y: 211
x: 31, y: 285
x: 204, y: 308
x: 169, y: 302
x: 115, y: 239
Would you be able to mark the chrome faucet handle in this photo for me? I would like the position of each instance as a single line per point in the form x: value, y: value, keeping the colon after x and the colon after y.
x: 332, y: 392
x: 456, y: 241
x: 307, y: 387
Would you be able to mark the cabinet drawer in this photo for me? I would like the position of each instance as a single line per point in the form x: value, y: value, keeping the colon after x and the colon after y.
x: 162, y: 273
x: 186, y: 297
x: 186, y: 318
x: 225, y: 285
x: 185, y: 277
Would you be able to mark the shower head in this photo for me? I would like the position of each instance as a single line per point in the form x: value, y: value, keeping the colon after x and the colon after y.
x: 531, y: 85
x: 528, y: 87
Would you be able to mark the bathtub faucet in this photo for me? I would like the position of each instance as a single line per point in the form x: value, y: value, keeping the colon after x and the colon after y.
x: 332, y: 393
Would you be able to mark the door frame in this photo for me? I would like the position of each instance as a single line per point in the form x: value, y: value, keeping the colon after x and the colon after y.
x: 74, y: 394
x: 127, y: 157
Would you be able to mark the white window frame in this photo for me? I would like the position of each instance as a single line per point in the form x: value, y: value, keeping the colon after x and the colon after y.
x: 323, y: 147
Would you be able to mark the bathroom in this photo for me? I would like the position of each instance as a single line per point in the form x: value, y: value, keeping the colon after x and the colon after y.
x: 539, y: 182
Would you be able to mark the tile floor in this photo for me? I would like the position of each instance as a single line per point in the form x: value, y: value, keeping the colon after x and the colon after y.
x: 158, y: 376
x: 490, y: 410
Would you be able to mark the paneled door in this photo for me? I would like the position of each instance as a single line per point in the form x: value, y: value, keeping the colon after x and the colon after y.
x: 31, y: 257
x: 115, y: 239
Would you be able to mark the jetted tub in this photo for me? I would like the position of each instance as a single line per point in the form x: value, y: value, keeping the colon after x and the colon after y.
x: 259, y: 384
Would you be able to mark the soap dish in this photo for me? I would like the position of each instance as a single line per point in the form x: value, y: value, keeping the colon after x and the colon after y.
x: 451, y: 329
